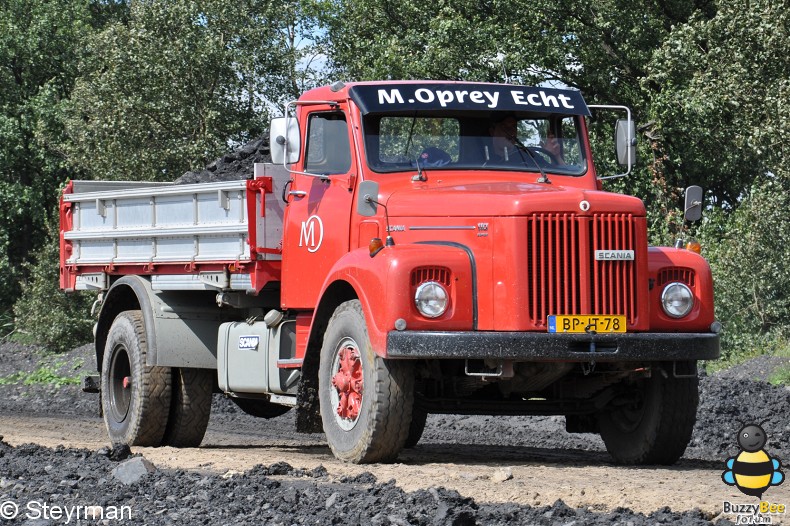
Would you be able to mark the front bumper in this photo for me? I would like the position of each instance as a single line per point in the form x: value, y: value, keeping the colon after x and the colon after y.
x: 549, y: 347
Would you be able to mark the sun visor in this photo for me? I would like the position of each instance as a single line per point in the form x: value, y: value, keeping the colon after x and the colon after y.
x: 410, y: 97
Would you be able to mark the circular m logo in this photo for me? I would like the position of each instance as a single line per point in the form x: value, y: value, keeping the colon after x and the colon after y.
x: 312, y: 234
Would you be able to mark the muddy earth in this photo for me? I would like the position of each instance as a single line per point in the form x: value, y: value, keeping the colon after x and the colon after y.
x: 465, y: 470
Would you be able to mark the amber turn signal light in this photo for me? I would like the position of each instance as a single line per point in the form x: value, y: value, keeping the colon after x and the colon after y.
x: 375, y: 246
x: 694, y: 246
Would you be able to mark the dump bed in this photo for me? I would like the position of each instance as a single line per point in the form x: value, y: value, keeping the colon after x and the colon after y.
x: 186, y: 237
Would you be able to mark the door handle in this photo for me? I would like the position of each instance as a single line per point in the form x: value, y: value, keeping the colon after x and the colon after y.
x: 297, y: 193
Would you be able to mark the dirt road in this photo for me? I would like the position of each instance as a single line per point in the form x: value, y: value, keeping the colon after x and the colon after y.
x: 539, y: 476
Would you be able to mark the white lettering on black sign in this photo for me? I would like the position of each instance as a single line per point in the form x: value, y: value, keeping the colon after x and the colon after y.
x: 443, y: 98
x: 463, y: 96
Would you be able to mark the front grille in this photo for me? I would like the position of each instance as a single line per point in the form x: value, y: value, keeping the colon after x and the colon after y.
x: 614, y: 282
x: 563, y: 275
x: 553, y: 269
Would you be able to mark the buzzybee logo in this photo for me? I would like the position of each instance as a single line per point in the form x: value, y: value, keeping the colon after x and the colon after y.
x: 753, y: 470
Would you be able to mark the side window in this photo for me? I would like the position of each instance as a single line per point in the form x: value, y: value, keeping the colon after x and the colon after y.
x: 328, y: 149
x: 570, y: 141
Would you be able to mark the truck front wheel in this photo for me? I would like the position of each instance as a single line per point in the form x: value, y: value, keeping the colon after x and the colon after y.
x: 135, y: 397
x: 366, y: 401
x: 654, y: 421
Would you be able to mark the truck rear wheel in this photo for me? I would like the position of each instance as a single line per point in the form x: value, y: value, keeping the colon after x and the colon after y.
x: 135, y: 397
x: 655, y: 426
x: 190, y: 407
x: 366, y: 401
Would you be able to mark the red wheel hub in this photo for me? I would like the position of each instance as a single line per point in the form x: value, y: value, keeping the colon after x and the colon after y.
x: 348, y: 383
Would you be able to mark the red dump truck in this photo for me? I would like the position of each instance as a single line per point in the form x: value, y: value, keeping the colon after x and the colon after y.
x: 414, y: 248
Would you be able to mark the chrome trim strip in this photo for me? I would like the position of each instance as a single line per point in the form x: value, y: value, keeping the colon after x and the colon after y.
x: 449, y: 227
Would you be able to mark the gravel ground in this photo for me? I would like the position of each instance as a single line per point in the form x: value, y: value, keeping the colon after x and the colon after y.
x: 726, y: 401
x: 280, y: 494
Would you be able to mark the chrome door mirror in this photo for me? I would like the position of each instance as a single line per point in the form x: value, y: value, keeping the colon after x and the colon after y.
x: 625, y: 141
x: 367, y: 196
x: 284, y: 140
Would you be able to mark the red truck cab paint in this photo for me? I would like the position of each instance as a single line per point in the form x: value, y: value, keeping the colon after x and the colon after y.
x: 509, y: 281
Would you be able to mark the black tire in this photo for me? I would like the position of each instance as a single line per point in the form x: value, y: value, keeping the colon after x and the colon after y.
x: 379, y: 393
x: 656, y: 427
x: 416, y: 428
x: 190, y: 407
x: 260, y: 408
x: 135, y: 397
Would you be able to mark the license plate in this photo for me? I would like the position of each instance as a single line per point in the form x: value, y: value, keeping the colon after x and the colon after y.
x: 582, y: 324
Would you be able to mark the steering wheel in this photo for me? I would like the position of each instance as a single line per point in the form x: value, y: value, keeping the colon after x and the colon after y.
x: 544, y: 153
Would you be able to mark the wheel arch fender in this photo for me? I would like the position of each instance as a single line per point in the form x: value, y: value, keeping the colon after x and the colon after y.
x: 702, y: 315
x: 308, y: 417
x: 127, y: 293
x: 382, y: 284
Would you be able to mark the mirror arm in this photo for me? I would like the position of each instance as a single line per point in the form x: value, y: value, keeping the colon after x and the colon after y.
x: 630, y: 124
x: 283, y: 141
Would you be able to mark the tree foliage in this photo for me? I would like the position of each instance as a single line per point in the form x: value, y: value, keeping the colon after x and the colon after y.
x: 180, y: 82
x: 603, y: 48
x: 749, y: 252
x: 41, y: 44
x: 722, y: 97
x: 140, y: 90
x: 47, y: 315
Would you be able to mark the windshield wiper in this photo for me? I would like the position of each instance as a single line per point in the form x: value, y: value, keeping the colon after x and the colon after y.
x: 420, y: 175
x: 521, y: 147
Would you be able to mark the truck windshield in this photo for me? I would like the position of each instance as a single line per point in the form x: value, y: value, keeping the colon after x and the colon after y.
x: 465, y: 141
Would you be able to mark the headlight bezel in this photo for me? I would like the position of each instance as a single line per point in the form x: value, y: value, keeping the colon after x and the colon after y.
x: 421, y: 297
x: 670, y: 289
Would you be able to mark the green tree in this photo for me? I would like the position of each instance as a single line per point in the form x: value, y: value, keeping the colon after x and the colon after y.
x: 180, y: 83
x: 749, y: 253
x: 160, y: 87
x: 722, y: 97
x: 45, y: 314
x: 41, y: 42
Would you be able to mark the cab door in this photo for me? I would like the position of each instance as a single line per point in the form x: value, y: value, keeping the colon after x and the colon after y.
x: 317, y: 217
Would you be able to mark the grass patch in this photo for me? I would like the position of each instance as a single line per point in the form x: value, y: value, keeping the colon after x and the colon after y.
x: 6, y: 325
x: 45, y: 374
x: 737, y: 348
x: 781, y: 376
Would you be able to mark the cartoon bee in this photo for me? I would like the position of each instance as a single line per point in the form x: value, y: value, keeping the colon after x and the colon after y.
x: 753, y: 470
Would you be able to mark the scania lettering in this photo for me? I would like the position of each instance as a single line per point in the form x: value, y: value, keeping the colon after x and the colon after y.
x: 401, y: 256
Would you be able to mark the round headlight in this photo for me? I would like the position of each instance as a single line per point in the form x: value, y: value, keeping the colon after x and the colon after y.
x: 677, y: 300
x: 431, y: 299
